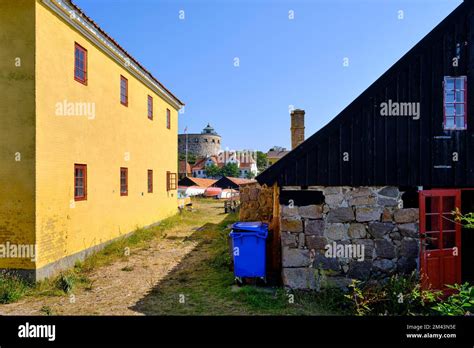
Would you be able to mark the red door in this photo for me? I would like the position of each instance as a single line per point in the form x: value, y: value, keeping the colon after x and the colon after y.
x: 440, y: 252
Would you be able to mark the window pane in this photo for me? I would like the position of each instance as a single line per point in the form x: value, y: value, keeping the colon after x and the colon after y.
x: 459, y: 96
x: 432, y: 241
x: 449, y: 109
x: 460, y: 83
x: 449, y: 83
x: 460, y: 122
x: 449, y: 239
x: 459, y: 109
x: 449, y: 122
x: 449, y: 97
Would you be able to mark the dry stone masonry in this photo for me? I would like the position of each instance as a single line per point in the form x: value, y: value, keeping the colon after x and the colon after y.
x: 370, y: 222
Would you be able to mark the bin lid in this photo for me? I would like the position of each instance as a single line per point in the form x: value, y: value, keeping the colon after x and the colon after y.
x: 250, y: 226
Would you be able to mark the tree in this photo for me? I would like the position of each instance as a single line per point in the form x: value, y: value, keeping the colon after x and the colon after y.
x: 212, y: 171
x: 250, y: 175
x: 191, y: 158
x: 230, y: 169
x: 261, y: 161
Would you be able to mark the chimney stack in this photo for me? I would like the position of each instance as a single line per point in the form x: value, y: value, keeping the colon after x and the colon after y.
x: 297, y: 127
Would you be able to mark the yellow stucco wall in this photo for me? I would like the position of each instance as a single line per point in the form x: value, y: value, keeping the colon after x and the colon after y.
x: 65, y: 227
x: 17, y: 127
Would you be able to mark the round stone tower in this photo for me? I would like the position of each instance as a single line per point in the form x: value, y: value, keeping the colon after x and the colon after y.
x: 207, y: 143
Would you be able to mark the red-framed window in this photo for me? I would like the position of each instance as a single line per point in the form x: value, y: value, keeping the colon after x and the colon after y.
x: 171, y: 181
x: 80, y: 64
x: 168, y: 118
x: 455, y: 103
x: 123, y: 181
x: 80, y: 182
x: 150, y: 107
x: 123, y: 90
x: 150, y: 181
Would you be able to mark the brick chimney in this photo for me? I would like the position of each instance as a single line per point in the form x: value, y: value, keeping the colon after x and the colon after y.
x: 297, y: 127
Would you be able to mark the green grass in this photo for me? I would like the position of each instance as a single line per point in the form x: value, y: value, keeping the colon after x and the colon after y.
x: 12, y: 289
x: 207, y: 284
x: 203, y: 278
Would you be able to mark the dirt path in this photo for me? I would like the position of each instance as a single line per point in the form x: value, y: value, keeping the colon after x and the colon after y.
x: 119, y: 286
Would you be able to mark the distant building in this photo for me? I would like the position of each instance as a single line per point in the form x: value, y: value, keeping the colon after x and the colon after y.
x: 275, y: 153
x: 246, y: 163
x: 204, y: 144
x: 184, y: 169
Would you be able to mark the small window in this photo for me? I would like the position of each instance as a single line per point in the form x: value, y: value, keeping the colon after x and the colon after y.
x: 170, y: 181
x: 150, y: 107
x: 150, y: 181
x: 80, y: 64
x: 80, y: 182
x: 455, y: 103
x: 123, y: 91
x: 168, y: 119
x: 123, y: 181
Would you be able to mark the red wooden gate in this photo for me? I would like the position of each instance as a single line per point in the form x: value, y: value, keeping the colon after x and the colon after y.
x: 440, y: 252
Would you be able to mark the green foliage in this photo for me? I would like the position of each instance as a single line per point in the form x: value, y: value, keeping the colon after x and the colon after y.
x: 230, y: 169
x: 212, y: 171
x: 12, y: 289
x: 467, y: 220
x: 261, y: 161
x: 191, y: 158
x: 459, y: 303
x: 250, y: 175
x: 46, y: 310
x: 66, y: 282
x: 399, y: 295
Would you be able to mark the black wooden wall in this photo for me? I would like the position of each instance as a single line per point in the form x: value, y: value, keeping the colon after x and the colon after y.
x: 396, y: 150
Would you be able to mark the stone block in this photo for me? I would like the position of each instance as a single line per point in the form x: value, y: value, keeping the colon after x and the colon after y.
x: 384, y: 249
x: 359, y: 269
x: 336, y: 231
x: 389, y: 191
x: 409, y: 248
x: 316, y: 242
x: 299, y: 278
x: 340, y: 215
x: 326, y: 263
x: 295, y: 257
x: 406, y: 215
x: 311, y: 211
x: 366, y: 214
x: 379, y: 230
x: 409, y: 230
x: 357, y: 230
x: 314, y: 227
x: 291, y: 225
x: 288, y: 239
x: 384, y: 265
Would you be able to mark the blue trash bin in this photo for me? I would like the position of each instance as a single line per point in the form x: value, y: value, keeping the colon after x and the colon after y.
x: 248, y: 249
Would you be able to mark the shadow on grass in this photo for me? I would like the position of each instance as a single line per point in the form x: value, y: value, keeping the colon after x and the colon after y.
x: 203, y: 284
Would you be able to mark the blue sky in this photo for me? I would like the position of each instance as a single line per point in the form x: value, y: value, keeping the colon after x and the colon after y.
x: 283, y: 61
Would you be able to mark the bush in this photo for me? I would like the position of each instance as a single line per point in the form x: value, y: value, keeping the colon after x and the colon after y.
x: 459, y: 303
x: 12, y: 289
x: 66, y: 282
x: 399, y: 295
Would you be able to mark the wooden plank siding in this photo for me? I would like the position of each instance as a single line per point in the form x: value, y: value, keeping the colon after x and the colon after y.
x: 396, y: 150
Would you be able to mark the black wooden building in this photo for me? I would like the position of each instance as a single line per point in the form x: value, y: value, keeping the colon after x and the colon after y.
x: 411, y: 129
x: 360, y: 146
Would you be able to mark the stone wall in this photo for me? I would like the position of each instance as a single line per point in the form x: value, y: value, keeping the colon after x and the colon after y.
x: 200, y: 145
x: 256, y: 203
x: 369, y: 220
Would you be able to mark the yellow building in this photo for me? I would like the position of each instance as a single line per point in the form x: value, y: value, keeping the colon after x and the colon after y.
x: 88, y: 139
x: 274, y: 154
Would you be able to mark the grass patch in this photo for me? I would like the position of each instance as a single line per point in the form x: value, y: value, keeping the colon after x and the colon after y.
x: 12, y: 289
x: 206, y: 283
